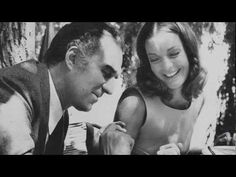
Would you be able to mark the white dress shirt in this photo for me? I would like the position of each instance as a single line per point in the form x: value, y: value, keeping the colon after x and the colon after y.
x: 55, y: 109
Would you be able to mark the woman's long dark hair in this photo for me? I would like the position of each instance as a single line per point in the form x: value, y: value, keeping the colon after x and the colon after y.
x: 148, y: 83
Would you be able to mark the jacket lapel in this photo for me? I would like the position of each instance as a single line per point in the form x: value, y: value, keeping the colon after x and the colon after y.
x: 44, y: 111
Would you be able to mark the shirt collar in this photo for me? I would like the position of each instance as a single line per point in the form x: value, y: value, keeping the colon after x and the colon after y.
x: 55, y: 109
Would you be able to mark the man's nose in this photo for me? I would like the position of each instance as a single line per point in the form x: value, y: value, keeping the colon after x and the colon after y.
x: 108, y: 87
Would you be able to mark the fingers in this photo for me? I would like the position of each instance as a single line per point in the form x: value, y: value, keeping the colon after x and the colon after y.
x: 171, y: 145
x: 168, y: 152
x: 166, y: 146
x: 120, y: 126
x: 171, y: 149
x: 116, y: 142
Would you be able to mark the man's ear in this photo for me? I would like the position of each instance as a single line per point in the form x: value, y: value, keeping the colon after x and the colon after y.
x: 70, y: 57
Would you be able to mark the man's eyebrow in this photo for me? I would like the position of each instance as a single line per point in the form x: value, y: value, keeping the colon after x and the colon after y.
x: 111, y: 70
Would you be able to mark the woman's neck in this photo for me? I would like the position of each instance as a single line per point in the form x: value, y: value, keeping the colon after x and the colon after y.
x: 177, y: 101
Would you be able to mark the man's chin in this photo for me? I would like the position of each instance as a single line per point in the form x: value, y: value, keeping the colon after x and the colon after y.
x: 86, y: 108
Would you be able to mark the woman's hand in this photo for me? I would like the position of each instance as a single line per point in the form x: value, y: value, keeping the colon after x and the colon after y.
x: 171, y: 149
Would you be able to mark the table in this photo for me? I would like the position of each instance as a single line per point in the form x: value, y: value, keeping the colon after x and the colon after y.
x: 219, y: 150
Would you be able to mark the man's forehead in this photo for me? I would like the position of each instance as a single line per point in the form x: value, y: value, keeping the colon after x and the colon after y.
x: 108, y: 40
x: 112, y: 52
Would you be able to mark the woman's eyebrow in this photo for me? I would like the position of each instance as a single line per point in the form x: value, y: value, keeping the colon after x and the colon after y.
x: 173, y: 48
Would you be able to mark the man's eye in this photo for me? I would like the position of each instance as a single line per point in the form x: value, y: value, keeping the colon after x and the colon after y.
x: 107, y: 73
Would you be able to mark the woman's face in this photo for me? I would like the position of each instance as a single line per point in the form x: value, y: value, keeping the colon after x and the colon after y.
x: 167, y: 58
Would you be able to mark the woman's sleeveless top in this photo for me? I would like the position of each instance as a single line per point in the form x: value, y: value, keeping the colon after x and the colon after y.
x: 164, y: 125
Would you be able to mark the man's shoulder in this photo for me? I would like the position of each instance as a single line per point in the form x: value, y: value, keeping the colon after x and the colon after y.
x: 28, y: 70
x: 28, y: 77
x: 31, y: 66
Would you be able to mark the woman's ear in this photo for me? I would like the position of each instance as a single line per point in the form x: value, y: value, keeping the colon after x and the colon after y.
x: 70, y: 58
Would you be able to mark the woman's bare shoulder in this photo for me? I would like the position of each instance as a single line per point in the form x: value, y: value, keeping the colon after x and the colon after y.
x: 131, y: 109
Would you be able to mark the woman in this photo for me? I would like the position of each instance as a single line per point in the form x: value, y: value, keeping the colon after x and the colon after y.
x: 161, y: 110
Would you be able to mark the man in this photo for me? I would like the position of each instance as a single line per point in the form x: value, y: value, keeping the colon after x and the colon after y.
x: 34, y: 97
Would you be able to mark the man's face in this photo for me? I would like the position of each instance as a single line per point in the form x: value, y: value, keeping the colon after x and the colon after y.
x: 86, y: 85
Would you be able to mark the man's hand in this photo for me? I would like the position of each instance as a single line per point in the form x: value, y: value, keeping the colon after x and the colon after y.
x: 171, y: 149
x: 114, y: 140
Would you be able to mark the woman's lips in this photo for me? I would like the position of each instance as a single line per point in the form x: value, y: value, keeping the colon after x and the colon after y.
x: 172, y: 74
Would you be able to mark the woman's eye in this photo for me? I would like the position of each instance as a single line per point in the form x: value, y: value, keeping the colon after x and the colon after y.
x: 154, y: 59
x: 174, y: 54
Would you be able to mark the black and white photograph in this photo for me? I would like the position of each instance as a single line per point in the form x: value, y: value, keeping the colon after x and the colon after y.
x: 117, y: 88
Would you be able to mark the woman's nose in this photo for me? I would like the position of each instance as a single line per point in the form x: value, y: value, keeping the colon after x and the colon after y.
x: 167, y: 64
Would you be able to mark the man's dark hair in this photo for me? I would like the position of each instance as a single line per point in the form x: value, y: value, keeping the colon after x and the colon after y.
x: 80, y: 34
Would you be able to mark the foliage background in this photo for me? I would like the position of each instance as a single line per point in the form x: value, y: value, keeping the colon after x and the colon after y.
x: 17, y: 37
